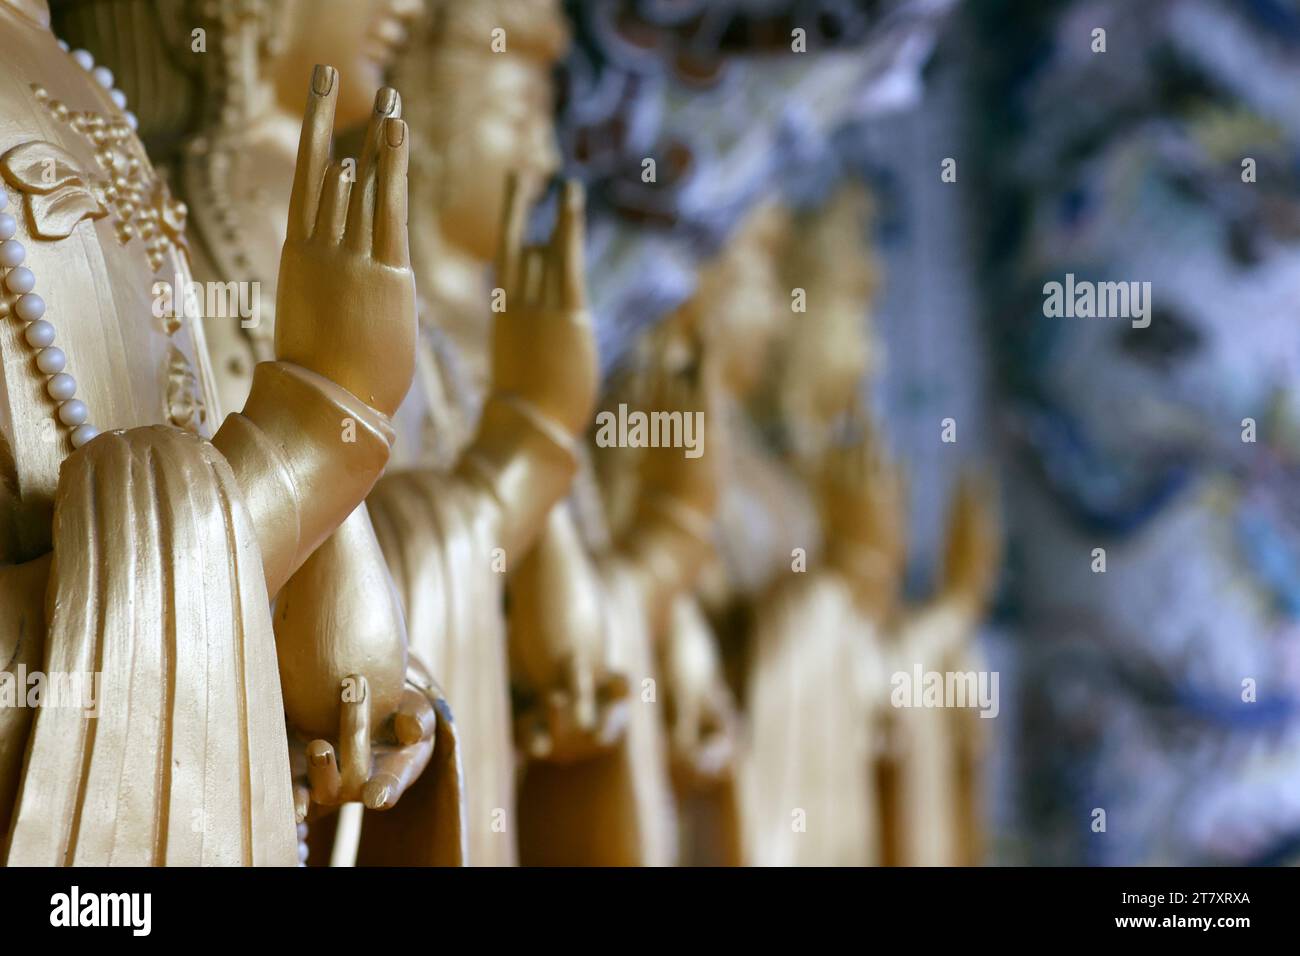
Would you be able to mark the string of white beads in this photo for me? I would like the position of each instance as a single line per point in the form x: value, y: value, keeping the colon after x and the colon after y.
x: 104, y: 77
x: 29, y: 307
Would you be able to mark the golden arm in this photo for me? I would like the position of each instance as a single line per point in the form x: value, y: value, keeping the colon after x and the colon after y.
x: 670, y: 534
x: 314, y: 434
x: 311, y: 441
x: 543, y: 373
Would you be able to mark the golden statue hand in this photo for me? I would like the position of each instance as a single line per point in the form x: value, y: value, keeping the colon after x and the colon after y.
x: 566, y: 699
x: 542, y: 344
x: 704, y: 752
x: 582, y: 717
x: 686, y: 474
x: 373, y: 769
x: 701, y: 711
x: 345, y: 303
x: 973, y: 546
x: 863, y: 495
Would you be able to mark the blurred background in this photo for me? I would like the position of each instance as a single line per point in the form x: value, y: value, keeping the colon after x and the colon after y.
x: 1163, y: 689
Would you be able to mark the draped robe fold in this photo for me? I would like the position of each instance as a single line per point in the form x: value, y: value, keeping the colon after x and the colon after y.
x: 157, y: 590
x: 930, y: 799
x: 814, y: 682
x: 437, y: 534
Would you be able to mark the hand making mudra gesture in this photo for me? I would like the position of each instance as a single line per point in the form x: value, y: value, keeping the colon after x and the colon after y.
x: 543, y: 350
x: 346, y: 256
x: 568, y: 606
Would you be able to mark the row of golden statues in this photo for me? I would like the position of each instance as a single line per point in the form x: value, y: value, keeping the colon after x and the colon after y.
x: 363, y: 551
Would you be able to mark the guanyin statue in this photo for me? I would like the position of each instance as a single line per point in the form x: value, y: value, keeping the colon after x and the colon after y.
x: 134, y: 547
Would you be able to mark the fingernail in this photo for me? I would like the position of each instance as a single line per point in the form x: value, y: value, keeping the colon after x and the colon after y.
x: 319, y: 759
x: 386, y: 100
x: 395, y: 131
x: 322, y: 79
x: 377, y: 795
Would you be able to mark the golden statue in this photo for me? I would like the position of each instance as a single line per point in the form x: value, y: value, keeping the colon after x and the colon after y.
x: 144, y: 556
x: 737, y: 310
x: 231, y: 151
x: 814, y: 687
x: 481, y: 113
x: 490, y: 430
x: 932, y: 758
x: 589, y: 608
x: 797, y: 650
x: 825, y: 639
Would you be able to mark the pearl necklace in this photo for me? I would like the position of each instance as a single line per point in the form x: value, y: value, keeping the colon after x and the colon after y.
x: 30, y: 307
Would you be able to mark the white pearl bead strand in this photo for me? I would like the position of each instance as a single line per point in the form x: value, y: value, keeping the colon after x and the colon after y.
x: 29, y: 307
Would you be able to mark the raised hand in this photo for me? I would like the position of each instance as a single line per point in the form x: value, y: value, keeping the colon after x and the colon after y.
x: 373, y: 767
x: 542, y: 344
x: 863, y: 501
x: 682, y: 381
x: 568, y: 705
x: 973, y: 548
x: 345, y: 302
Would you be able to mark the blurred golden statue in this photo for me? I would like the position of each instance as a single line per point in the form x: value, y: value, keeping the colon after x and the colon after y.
x: 791, y: 604
x: 452, y: 547
x: 485, y: 456
x: 931, y: 762
x: 825, y: 640
x: 165, y: 546
x: 588, y: 610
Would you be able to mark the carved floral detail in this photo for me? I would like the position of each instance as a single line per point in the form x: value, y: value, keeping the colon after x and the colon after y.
x: 185, y: 408
x: 140, y: 203
x: 59, y: 195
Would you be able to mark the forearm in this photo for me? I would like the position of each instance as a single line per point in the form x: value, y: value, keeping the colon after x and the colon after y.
x: 337, y: 617
x: 525, y: 462
x: 305, y: 452
x: 555, y: 611
x: 669, y: 542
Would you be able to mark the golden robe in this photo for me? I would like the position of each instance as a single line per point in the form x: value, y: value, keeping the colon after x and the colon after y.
x: 157, y: 587
x: 447, y: 538
x: 815, y: 672
x: 453, y: 602
x: 935, y: 795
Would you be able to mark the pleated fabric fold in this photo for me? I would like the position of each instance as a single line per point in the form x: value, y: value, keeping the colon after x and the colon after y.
x: 438, y: 537
x: 157, y: 596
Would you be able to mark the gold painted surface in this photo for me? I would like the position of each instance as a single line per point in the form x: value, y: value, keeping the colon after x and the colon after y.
x: 180, y: 541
